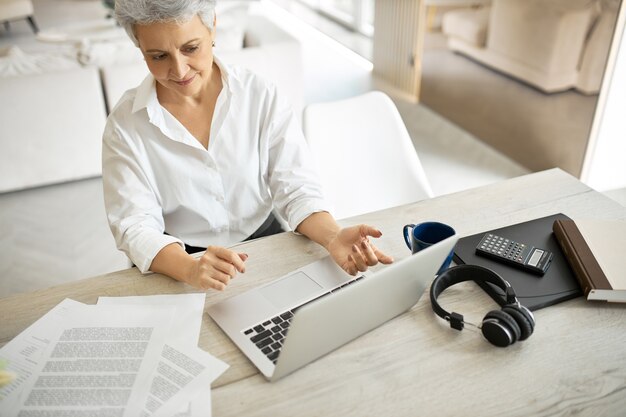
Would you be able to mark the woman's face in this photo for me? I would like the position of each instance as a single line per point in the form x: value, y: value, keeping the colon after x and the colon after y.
x: 179, y: 56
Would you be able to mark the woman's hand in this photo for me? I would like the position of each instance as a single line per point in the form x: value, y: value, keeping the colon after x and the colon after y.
x: 215, y: 268
x: 349, y: 247
x: 352, y: 250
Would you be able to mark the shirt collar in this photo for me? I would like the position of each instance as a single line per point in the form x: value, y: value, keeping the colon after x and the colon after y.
x: 228, y: 76
x: 146, y: 96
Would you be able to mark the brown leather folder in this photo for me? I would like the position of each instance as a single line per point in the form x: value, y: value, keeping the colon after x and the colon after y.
x: 580, y: 256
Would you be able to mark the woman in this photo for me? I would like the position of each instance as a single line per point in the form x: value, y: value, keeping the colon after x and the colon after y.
x: 200, y: 153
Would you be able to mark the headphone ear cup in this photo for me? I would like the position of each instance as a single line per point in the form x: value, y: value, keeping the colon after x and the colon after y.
x: 523, y: 317
x: 500, y: 329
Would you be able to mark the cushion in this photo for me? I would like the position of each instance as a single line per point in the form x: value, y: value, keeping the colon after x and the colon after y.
x: 547, y: 36
x: 57, y: 136
x: 15, y: 62
x: 610, y: 4
x: 469, y: 25
x: 117, y: 79
x: 108, y: 53
x: 562, y: 6
x: 94, y: 30
x: 231, y: 18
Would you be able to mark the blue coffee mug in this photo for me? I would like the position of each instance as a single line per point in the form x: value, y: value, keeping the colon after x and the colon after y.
x: 427, y: 234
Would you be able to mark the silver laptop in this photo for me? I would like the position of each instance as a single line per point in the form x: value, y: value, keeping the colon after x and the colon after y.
x: 309, y: 312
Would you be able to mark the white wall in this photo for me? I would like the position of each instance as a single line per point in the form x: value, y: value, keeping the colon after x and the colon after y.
x: 604, y: 167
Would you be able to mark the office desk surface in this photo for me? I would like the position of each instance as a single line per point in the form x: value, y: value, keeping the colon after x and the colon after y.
x: 574, y: 363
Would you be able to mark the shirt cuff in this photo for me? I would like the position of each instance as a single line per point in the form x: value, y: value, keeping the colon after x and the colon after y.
x: 300, y: 210
x: 147, y: 246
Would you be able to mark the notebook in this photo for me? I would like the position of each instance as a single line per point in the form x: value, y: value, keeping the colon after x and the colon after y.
x: 595, y: 252
x: 558, y: 284
x: 309, y: 312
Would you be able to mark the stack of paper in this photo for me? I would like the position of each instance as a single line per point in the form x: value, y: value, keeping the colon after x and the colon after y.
x: 125, y: 356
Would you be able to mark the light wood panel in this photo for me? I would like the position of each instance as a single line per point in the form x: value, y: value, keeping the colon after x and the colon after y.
x: 399, y: 31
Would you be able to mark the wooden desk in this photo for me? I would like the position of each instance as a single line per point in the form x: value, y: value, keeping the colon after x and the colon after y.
x: 574, y: 363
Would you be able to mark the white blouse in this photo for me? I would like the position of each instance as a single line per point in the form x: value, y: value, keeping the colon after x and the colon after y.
x: 158, y: 178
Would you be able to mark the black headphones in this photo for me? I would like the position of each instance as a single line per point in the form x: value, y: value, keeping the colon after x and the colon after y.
x: 502, y: 327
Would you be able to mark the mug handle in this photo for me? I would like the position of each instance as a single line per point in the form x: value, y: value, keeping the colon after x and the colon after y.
x: 407, y: 239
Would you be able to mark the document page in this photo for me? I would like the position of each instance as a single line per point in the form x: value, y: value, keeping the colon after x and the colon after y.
x: 126, y: 356
x: 22, y: 354
x: 183, y: 374
x: 172, y: 375
x: 101, y: 363
x: 188, y: 316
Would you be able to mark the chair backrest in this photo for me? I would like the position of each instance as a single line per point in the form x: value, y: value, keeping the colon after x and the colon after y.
x: 366, y: 159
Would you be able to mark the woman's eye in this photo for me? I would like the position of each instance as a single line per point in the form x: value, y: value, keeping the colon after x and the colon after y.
x: 158, y: 57
x: 191, y: 49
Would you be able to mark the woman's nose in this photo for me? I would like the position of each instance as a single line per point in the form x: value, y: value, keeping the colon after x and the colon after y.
x: 179, y: 67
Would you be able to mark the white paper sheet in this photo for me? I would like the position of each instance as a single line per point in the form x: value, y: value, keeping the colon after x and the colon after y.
x: 101, y: 360
x: 185, y: 332
x: 189, y: 311
x: 183, y: 373
x: 162, y: 372
x: 22, y: 354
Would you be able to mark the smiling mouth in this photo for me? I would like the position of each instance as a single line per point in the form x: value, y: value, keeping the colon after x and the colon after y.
x: 186, y: 81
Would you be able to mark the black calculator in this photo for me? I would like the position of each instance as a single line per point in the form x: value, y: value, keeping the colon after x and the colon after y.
x: 510, y: 252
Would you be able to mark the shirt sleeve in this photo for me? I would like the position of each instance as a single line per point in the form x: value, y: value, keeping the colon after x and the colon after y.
x: 293, y: 181
x: 133, y: 210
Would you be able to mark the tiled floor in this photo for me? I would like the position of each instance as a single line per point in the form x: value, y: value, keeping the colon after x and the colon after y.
x: 56, y: 234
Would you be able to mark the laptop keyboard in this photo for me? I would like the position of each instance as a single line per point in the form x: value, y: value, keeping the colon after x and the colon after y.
x: 268, y: 336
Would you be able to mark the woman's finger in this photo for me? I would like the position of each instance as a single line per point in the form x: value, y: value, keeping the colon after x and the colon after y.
x: 370, y: 257
x: 350, y: 266
x: 212, y: 283
x: 225, y: 267
x: 382, y: 258
x: 232, y: 258
x: 218, y: 276
x: 359, y: 259
x: 366, y: 230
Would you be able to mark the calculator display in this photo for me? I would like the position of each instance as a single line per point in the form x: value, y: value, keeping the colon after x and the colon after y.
x: 534, y: 259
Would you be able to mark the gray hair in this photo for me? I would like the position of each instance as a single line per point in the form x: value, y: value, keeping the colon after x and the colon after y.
x: 129, y: 13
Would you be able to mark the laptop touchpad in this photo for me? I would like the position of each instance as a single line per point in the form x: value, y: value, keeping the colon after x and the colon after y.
x: 290, y: 290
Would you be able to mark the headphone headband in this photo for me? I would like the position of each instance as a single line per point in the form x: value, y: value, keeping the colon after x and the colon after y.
x: 461, y: 273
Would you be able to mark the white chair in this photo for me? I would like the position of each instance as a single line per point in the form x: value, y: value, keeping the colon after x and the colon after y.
x: 365, y: 157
